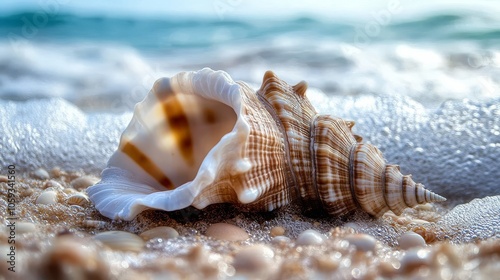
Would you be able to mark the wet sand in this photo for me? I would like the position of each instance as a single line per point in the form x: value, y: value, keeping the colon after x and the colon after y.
x: 60, y: 235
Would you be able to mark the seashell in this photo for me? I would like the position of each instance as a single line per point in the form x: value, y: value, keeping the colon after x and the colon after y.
x: 79, y: 199
x: 159, y: 232
x: 83, y: 182
x: 121, y: 240
x: 47, y: 198
x: 200, y: 138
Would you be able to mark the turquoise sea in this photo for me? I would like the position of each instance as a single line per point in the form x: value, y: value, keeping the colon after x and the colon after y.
x: 104, y: 61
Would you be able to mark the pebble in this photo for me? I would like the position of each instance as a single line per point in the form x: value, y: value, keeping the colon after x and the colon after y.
x: 256, y: 258
x: 281, y: 241
x: 325, y: 264
x: 47, y: 198
x: 159, y: 232
x: 41, y: 174
x: 3, y: 179
x: 71, y: 258
x: 25, y: 227
x: 121, y: 240
x: 228, y: 232
x: 84, y: 182
x: 410, y: 239
x: 79, y: 199
x: 94, y: 224
x: 362, y: 242
x: 277, y: 231
x: 414, y: 259
x: 310, y: 237
x: 56, y: 172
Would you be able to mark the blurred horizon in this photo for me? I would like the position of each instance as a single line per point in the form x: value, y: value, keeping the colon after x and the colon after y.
x: 106, y: 55
x: 240, y: 9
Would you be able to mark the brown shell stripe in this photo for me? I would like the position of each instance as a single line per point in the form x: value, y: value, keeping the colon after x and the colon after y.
x: 178, y: 123
x: 352, y: 174
x: 146, y: 164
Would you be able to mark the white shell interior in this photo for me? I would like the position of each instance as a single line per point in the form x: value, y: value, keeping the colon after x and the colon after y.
x: 126, y: 189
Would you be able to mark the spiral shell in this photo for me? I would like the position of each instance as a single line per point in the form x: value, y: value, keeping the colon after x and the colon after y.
x: 200, y: 138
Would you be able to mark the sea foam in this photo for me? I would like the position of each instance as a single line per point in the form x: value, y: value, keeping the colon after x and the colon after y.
x: 454, y: 151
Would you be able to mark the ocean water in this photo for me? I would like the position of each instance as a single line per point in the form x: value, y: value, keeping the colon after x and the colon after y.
x: 109, y: 63
x: 424, y: 88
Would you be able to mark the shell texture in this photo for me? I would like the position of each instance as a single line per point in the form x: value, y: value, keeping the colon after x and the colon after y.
x: 200, y: 138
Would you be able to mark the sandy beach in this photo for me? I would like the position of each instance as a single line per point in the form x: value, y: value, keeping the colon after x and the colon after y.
x: 60, y: 237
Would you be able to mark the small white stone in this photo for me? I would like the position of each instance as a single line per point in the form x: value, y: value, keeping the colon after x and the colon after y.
x: 47, y: 198
x: 410, y: 239
x: 159, y: 232
x: 281, y: 240
x: 362, y: 242
x: 223, y: 231
x: 414, y: 259
x: 256, y: 258
x: 41, y: 174
x: 25, y: 227
x: 121, y: 240
x: 310, y: 237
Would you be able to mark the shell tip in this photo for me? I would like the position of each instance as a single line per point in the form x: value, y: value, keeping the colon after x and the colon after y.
x: 300, y: 88
x: 268, y: 75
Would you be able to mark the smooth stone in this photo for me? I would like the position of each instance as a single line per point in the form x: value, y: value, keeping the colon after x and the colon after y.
x: 410, y: 239
x: 84, y: 182
x: 3, y: 179
x: 25, y: 227
x: 256, y: 258
x: 79, y: 199
x: 281, y: 240
x: 414, y: 259
x: 159, y: 232
x: 277, y: 231
x: 310, y: 237
x: 228, y: 232
x: 121, y: 240
x: 47, y: 198
x: 362, y: 242
x: 41, y: 174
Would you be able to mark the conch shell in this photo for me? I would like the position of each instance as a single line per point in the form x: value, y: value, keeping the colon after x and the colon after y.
x: 200, y: 138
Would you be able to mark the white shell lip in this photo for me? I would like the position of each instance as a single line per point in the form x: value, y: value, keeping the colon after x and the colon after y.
x: 122, y: 194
